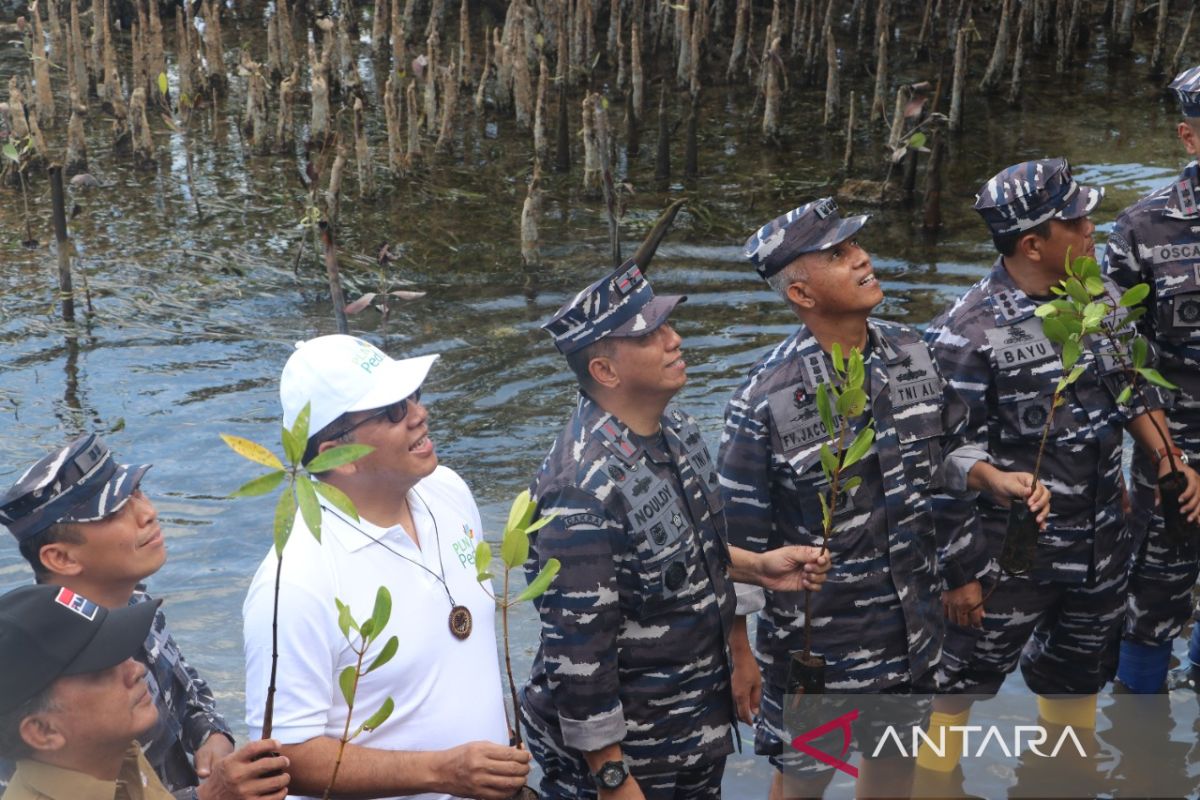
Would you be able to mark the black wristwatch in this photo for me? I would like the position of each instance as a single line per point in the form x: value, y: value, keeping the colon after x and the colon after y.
x: 611, y: 775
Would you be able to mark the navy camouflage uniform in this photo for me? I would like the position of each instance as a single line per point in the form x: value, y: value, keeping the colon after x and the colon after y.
x: 187, y: 714
x: 1157, y: 241
x: 1059, y: 618
x: 634, y: 627
x: 878, y: 620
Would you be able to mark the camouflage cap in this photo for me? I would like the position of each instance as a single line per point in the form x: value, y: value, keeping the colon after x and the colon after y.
x: 1186, y: 87
x: 77, y: 483
x: 620, y: 304
x: 1027, y: 194
x: 810, y: 228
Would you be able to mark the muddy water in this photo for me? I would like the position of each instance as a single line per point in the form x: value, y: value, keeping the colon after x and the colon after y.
x: 193, y: 317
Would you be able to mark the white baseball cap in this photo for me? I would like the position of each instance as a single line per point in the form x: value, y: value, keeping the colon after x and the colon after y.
x: 340, y: 373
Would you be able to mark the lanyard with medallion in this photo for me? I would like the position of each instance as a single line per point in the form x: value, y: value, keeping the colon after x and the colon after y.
x: 460, y: 616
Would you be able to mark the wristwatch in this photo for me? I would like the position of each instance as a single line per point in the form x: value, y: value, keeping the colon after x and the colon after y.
x: 611, y: 775
x: 1160, y: 453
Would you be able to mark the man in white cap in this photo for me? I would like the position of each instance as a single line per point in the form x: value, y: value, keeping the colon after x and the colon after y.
x: 416, y: 534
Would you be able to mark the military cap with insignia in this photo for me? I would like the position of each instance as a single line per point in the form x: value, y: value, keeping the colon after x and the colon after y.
x: 621, y: 304
x: 80, y: 482
x: 811, y: 228
x: 1025, y: 195
x: 1186, y: 87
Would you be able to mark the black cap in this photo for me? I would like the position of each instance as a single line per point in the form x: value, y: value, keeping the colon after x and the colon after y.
x: 77, y: 483
x: 50, y: 631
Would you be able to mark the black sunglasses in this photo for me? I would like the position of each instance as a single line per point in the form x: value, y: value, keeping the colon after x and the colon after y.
x: 395, y: 413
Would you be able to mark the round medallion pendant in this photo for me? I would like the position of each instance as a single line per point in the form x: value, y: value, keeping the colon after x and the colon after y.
x: 460, y: 622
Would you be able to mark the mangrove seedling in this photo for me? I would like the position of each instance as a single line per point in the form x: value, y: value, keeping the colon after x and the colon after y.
x: 1083, y: 307
x: 838, y: 404
x: 301, y: 492
x: 383, y: 298
x: 514, y: 552
x: 15, y: 152
x: 365, y: 633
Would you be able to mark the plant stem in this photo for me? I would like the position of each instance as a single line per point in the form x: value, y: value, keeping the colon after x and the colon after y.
x: 833, y: 495
x: 25, y: 202
x: 1131, y: 375
x: 515, y: 722
x: 1037, y: 462
x: 346, y: 737
x: 269, y: 711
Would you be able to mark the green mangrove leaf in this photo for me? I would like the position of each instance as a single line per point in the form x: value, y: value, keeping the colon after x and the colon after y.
x: 300, y: 426
x: 520, y: 513
x: 337, y: 498
x: 383, y: 609
x: 348, y: 680
x: 310, y: 508
x: 852, y: 402
x: 839, y: 363
x: 380, y: 716
x: 829, y: 464
x: 285, y: 518
x: 385, y: 655
x: 514, y: 549
x: 1071, y: 353
x: 263, y: 484
x: 1055, y: 329
x: 825, y: 411
x: 483, y: 559
x: 852, y: 483
x: 1155, y: 377
x: 1135, y: 294
x: 337, y: 456
x: 541, y: 583
x: 345, y: 620
x: 1078, y: 293
x: 293, y: 448
x: 859, y: 447
x: 1125, y: 395
x: 1140, y: 349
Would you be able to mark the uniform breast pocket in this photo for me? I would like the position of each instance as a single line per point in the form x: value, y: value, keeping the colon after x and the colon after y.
x: 665, y: 577
x: 1177, y: 286
x: 920, y: 436
x: 1024, y: 419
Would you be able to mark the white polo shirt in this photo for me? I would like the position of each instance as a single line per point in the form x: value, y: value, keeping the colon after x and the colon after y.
x: 447, y: 691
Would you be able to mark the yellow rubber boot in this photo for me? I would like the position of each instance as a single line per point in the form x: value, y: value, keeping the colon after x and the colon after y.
x: 1075, y: 710
x: 940, y: 734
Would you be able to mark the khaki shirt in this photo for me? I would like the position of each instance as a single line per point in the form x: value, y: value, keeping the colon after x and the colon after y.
x: 34, y: 780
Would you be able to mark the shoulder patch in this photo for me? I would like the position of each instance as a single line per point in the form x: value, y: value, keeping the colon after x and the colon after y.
x: 591, y: 520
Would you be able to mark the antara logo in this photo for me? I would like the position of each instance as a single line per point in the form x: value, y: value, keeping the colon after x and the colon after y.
x: 992, y: 742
